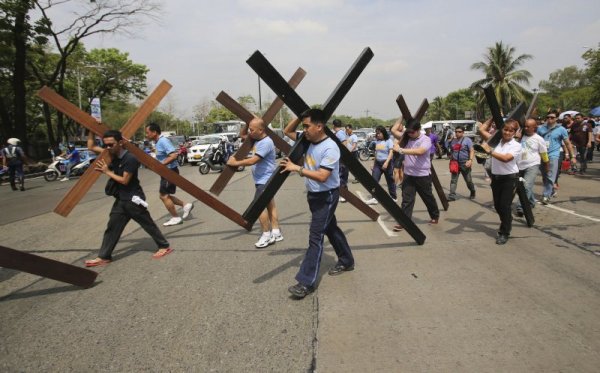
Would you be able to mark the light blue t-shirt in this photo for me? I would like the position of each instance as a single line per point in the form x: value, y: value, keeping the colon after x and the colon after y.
x: 382, y: 149
x: 324, y: 154
x: 164, y: 147
x: 553, y: 138
x: 341, y: 135
x: 265, y: 149
x: 352, y: 139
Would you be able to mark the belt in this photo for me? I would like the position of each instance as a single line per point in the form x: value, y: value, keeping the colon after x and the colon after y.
x: 505, y: 177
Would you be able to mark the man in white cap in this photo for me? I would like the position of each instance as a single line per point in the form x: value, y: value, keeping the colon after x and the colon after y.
x: 13, y: 157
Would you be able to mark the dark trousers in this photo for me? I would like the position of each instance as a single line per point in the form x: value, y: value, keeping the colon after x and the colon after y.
x: 466, y: 173
x: 411, y: 185
x: 344, y: 173
x: 121, y: 213
x: 389, y: 176
x: 323, y: 222
x: 582, y: 155
x: 15, y: 172
x: 503, y: 190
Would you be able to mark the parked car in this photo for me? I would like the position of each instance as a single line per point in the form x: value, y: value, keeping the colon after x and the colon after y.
x: 199, y: 147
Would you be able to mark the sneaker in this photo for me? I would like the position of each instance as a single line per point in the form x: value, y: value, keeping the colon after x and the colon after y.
x: 264, y: 241
x: 372, y: 201
x: 554, y: 194
x: 501, y: 240
x: 545, y: 200
x: 398, y: 228
x: 277, y: 236
x: 342, y: 199
x: 187, y: 208
x: 520, y: 213
x: 300, y: 291
x: 395, y: 200
x: 472, y: 196
x: 451, y: 198
x: 339, y: 269
x: 173, y: 221
x: 64, y: 179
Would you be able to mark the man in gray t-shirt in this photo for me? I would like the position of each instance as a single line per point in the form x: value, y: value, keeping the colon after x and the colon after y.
x: 461, y: 150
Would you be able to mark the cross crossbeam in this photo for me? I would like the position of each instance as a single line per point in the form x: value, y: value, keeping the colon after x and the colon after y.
x: 44, y: 267
x: 276, y: 82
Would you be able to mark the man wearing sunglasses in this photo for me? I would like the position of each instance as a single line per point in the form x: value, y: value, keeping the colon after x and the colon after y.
x: 554, y: 135
x: 129, y: 198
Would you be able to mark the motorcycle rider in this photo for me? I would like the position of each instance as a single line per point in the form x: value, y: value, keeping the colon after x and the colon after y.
x: 13, y: 157
x: 74, y: 158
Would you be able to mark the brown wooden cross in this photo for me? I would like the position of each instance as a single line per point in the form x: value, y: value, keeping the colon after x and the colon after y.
x: 90, y: 123
x: 246, y: 116
x: 409, y: 118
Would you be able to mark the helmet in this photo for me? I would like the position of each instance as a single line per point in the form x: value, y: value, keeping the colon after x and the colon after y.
x: 13, y: 141
x: 224, y: 138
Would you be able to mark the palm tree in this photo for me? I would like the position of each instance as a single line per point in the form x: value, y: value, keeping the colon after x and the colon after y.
x: 501, y: 71
x: 437, y: 109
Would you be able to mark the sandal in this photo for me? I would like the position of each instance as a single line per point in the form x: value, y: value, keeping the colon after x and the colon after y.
x: 96, y: 262
x: 434, y: 221
x: 162, y: 252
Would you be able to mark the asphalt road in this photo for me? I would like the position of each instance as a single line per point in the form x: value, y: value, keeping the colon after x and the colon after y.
x: 217, y: 304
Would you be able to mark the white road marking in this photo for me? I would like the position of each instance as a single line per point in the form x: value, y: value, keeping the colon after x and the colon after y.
x: 386, y: 230
x: 573, y: 213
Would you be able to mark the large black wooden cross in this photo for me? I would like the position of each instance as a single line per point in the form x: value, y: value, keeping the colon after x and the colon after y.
x: 278, y: 84
x: 518, y: 115
x: 417, y: 118
x: 245, y: 115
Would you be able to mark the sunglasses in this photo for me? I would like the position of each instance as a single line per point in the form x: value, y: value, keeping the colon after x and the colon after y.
x: 108, y: 146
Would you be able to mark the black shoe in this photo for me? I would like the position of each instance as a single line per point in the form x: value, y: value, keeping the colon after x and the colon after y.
x: 451, y: 199
x: 501, y: 240
x: 472, y: 196
x: 300, y: 291
x: 339, y: 268
x: 520, y: 213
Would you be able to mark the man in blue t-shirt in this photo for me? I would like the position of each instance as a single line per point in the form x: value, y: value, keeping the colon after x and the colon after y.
x: 263, y: 166
x: 166, y: 153
x: 554, y: 134
x: 321, y: 173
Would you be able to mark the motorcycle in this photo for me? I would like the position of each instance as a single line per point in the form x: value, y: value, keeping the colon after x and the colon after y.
x: 182, y: 155
x: 213, y: 160
x: 366, y: 150
x: 58, y: 168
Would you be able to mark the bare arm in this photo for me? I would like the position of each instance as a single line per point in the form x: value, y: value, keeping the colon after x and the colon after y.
x: 569, y: 147
x: 499, y: 156
x: 290, y: 128
x: 101, y: 166
x: 320, y: 175
x: 484, y: 129
x: 397, y: 129
x: 244, y: 162
x: 91, y: 144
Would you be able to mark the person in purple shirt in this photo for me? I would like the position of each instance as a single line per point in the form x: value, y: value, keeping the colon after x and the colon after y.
x: 417, y: 173
x: 435, y: 143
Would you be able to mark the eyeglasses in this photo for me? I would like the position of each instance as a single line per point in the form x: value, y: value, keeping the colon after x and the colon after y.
x: 108, y: 146
x: 410, y: 132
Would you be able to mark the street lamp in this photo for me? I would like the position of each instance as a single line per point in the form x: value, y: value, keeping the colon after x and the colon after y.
x: 259, y: 96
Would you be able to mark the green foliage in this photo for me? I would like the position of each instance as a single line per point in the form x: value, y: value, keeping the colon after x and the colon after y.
x: 592, y: 61
x: 500, y: 67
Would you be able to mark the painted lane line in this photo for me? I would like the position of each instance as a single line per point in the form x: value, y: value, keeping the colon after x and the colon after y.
x: 573, y: 213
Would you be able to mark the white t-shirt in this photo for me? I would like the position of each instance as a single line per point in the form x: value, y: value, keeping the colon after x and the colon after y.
x: 510, y: 167
x: 531, y: 146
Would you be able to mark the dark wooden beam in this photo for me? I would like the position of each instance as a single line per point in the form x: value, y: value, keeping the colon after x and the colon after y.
x: 44, y: 267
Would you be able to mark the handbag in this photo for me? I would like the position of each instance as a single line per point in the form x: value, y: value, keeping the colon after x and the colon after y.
x: 454, y: 167
x: 565, y: 165
x: 111, y: 188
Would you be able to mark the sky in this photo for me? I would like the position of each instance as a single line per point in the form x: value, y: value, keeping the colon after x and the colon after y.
x: 422, y: 49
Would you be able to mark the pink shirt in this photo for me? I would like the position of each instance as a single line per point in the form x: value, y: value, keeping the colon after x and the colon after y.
x: 418, y: 165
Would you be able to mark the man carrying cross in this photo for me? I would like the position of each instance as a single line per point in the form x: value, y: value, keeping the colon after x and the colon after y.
x: 322, y: 181
x: 166, y: 153
x: 263, y: 166
x: 129, y: 198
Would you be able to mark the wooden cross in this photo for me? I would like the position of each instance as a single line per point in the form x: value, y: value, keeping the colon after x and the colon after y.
x: 90, y: 123
x: 516, y: 114
x: 278, y: 84
x: 40, y: 266
x: 417, y: 118
x: 245, y: 115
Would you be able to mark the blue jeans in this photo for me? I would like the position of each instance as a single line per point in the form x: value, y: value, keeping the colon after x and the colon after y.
x: 323, y: 222
x: 549, y: 178
x: 389, y: 176
x: 529, y: 175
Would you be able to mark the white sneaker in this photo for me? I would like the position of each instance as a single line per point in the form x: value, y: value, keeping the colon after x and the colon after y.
x: 372, y: 201
x: 187, y: 208
x: 173, y: 221
x: 277, y: 237
x: 265, y: 241
x: 395, y: 200
x: 64, y: 179
x: 342, y: 199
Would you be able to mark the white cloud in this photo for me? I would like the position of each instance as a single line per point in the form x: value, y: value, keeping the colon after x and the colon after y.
x: 291, y: 5
x: 271, y: 28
